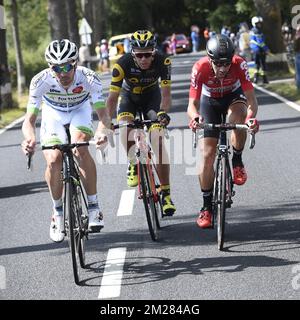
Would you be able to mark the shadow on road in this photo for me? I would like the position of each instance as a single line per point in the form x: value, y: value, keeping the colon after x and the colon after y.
x: 23, y: 189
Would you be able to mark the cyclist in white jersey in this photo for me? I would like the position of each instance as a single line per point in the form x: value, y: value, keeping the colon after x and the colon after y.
x: 67, y: 91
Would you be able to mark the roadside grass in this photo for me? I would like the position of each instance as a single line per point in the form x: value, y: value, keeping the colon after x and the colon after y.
x: 17, y: 111
x: 286, y: 89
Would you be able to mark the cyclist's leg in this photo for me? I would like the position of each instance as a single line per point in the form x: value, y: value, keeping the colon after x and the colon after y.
x: 53, y: 132
x: 237, y: 114
x: 151, y: 107
x: 81, y: 130
x: 126, y: 114
x: 210, y: 110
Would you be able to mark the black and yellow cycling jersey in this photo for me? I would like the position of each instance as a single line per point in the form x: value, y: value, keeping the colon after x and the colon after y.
x: 128, y: 75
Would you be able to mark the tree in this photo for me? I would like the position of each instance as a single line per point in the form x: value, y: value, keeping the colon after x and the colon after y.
x: 72, y: 20
x: 19, y: 58
x: 6, y: 95
x: 269, y: 10
x: 57, y: 19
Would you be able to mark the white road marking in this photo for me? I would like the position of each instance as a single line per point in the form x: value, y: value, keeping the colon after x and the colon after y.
x: 14, y: 123
x: 113, y: 272
x: 126, y: 203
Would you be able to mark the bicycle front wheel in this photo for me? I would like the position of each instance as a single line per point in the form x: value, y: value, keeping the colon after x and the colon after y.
x: 72, y: 233
x: 82, y: 223
x: 221, y: 207
x: 148, y: 200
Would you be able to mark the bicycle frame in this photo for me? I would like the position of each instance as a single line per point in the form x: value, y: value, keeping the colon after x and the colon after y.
x: 75, y: 208
x: 223, y: 182
x: 148, y: 180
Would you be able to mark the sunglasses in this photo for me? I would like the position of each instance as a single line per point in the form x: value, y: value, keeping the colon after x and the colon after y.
x: 221, y: 64
x: 140, y: 55
x: 66, y: 68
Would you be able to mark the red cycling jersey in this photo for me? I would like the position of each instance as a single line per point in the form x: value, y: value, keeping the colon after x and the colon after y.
x: 203, y: 79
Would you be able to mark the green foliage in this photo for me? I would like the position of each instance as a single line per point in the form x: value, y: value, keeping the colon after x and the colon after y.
x: 33, y: 23
x: 33, y: 59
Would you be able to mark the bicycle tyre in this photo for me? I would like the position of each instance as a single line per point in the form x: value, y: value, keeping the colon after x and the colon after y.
x: 158, y: 199
x: 221, y: 212
x: 81, y: 213
x: 70, y: 216
x: 149, y: 204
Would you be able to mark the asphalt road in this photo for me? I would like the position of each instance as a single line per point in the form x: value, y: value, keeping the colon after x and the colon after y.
x: 261, y: 257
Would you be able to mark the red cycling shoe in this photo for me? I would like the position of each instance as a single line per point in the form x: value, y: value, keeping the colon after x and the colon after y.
x: 239, y: 175
x: 205, y: 218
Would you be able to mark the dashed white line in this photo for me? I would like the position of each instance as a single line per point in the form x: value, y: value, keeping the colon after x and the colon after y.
x: 126, y: 203
x: 113, y: 273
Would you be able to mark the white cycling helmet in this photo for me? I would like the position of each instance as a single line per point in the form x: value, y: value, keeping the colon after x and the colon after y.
x: 61, y: 51
x: 256, y: 20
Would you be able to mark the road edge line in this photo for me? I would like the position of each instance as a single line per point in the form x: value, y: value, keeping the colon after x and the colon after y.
x: 11, y: 125
x: 291, y: 104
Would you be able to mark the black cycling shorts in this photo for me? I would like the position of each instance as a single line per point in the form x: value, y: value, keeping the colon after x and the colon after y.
x: 211, y: 109
x: 130, y: 103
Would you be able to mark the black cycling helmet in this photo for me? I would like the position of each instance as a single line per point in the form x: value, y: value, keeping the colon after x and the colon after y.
x: 142, y: 39
x: 220, y: 48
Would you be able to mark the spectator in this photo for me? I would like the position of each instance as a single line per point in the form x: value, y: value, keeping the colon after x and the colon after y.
x: 104, y: 55
x: 297, y: 56
x: 84, y: 56
x: 173, y: 43
x: 98, y: 55
x: 127, y: 45
x: 258, y: 48
x: 206, y: 34
x: 244, y: 42
x: 195, y: 38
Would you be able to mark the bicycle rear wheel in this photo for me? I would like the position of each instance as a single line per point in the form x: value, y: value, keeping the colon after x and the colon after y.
x: 148, y: 200
x: 70, y: 215
x: 221, y: 208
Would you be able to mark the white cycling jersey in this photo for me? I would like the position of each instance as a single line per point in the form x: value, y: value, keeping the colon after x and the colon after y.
x: 45, y: 87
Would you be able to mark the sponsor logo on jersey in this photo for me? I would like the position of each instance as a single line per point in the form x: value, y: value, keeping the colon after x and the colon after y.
x: 77, y: 89
x: 54, y: 90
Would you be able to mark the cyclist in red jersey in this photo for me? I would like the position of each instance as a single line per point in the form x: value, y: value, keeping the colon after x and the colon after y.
x: 220, y: 84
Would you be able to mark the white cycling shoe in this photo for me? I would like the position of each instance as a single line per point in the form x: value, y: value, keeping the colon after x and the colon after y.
x: 96, y: 222
x: 57, y: 228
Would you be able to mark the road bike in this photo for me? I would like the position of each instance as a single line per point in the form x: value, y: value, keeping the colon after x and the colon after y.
x: 223, y: 183
x: 75, y: 205
x: 148, y: 180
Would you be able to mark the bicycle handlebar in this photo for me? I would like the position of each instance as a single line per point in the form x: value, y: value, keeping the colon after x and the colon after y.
x: 224, y: 127
x: 67, y: 146
x: 137, y: 124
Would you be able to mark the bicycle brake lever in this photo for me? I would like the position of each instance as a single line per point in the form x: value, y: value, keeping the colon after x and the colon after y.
x: 29, y: 161
x: 252, y: 140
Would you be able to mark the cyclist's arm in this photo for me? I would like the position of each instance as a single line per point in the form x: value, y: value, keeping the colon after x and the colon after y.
x: 165, y: 98
x: 193, y: 108
x: 252, y: 103
x: 104, y: 119
x: 112, y: 102
x: 165, y: 84
x: 28, y: 129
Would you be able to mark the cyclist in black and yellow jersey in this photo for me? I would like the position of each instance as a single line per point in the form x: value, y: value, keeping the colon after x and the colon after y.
x: 135, y: 80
